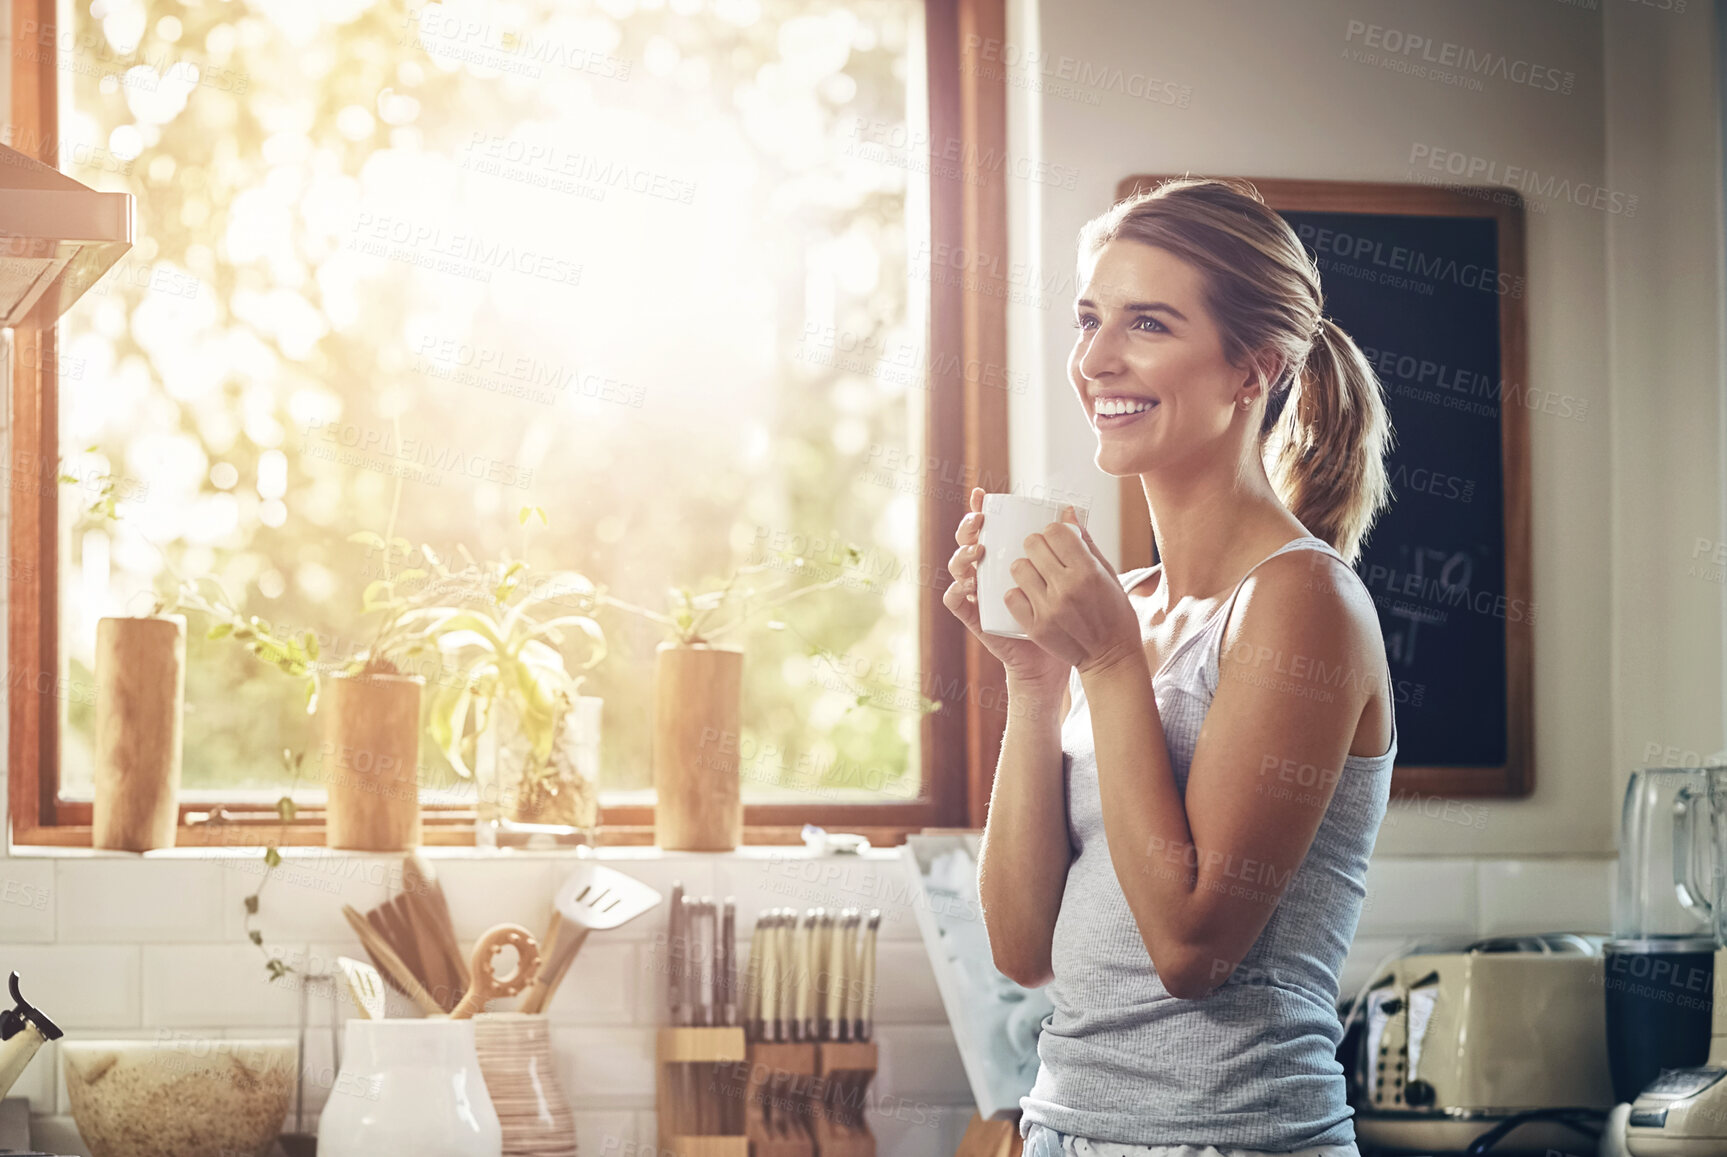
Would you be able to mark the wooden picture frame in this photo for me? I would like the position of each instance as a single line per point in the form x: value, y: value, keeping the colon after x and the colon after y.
x: 1515, y: 777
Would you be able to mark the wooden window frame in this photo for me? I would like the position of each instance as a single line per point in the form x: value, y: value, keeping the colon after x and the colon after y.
x: 965, y: 420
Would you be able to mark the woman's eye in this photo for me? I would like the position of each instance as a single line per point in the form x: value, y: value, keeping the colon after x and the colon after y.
x: 1157, y: 326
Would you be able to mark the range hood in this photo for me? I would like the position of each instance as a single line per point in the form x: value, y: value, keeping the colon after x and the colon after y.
x: 57, y: 237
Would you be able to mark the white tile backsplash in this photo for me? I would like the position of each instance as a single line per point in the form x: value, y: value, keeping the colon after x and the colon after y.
x: 79, y: 986
x: 303, y: 896
x: 910, y: 1128
x: 920, y: 1063
x: 142, y: 901
x: 905, y: 985
x: 610, y: 1133
x: 1546, y: 895
x: 601, y: 987
x: 27, y: 900
x: 485, y: 891
x: 1419, y: 896
x: 606, y: 1068
x: 226, y: 984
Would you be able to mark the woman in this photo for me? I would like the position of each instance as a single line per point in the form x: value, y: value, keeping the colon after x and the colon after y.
x: 1179, y: 848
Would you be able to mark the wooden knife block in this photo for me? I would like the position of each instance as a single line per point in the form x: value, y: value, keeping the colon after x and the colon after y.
x: 783, y: 1073
x: 825, y: 1082
x: 709, y: 1095
x: 846, y: 1069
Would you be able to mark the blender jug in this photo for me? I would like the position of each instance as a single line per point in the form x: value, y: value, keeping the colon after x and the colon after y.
x: 1660, y: 964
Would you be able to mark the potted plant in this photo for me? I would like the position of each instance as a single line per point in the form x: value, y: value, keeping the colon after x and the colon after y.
x: 698, y: 684
x: 140, y: 697
x: 369, y: 709
x: 510, y: 715
x: 371, y: 713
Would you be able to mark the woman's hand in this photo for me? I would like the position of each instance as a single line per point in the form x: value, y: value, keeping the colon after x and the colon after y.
x: 1026, y: 662
x: 1070, y: 600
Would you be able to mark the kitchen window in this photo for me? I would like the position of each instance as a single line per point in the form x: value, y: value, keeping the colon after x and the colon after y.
x: 662, y: 272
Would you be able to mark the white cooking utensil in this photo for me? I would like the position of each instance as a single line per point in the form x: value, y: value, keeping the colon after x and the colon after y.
x: 594, y: 898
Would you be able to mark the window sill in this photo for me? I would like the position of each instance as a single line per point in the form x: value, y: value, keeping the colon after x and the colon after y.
x: 622, y: 853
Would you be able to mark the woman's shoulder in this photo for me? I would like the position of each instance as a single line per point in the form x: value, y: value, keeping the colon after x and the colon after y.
x: 1306, y: 590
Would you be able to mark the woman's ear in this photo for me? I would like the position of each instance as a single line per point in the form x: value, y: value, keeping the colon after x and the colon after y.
x: 1271, y: 366
x: 1262, y: 373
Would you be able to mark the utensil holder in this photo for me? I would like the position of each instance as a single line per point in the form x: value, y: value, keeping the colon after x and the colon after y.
x: 521, y: 1074
x: 781, y: 1075
x: 409, y: 1086
x: 846, y: 1069
x: 697, y: 1085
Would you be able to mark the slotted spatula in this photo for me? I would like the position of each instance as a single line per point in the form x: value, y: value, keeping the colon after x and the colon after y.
x: 365, y: 984
x: 594, y: 899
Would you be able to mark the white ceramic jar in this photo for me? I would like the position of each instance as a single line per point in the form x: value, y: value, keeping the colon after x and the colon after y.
x: 409, y: 1088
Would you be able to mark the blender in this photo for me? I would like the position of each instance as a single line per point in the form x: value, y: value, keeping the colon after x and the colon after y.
x: 1659, y: 966
x: 1682, y: 1112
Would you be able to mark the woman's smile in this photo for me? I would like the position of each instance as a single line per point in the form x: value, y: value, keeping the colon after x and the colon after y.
x: 1114, y: 411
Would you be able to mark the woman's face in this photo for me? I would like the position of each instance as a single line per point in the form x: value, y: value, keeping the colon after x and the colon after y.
x: 1144, y: 337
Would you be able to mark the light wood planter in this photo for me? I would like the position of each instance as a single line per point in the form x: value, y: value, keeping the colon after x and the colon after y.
x: 371, y: 761
x: 140, y: 694
x: 698, y: 698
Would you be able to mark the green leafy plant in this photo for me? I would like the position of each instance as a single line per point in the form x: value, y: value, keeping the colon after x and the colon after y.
x: 698, y: 620
x: 105, y: 506
x: 509, y: 645
x: 285, y: 809
x: 702, y: 619
x: 293, y: 655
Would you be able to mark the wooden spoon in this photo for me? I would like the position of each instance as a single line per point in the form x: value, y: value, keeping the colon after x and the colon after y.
x: 486, y: 985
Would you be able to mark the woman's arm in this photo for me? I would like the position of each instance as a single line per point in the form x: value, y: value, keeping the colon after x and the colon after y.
x: 1024, y: 853
x: 1202, y: 875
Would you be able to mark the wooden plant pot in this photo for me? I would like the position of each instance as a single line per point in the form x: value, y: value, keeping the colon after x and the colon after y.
x: 140, y: 695
x: 698, y: 699
x: 371, y: 761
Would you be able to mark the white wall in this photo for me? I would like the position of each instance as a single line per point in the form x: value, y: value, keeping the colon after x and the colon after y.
x: 1627, y: 643
x: 1666, y: 413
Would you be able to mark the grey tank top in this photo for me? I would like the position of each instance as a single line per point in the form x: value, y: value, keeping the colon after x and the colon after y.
x: 1253, y: 1064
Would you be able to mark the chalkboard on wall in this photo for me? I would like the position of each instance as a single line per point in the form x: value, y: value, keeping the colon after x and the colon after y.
x: 1430, y: 283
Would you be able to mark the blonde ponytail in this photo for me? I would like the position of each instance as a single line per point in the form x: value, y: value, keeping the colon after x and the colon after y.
x: 1326, y: 430
x: 1326, y: 438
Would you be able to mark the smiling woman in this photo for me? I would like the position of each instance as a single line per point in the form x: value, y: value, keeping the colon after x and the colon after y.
x: 1179, y: 852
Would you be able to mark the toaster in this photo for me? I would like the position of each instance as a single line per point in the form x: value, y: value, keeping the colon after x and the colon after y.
x: 1459, y: 1042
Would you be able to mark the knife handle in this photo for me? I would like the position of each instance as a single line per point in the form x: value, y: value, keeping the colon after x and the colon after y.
x: 710, y: 945
x: 674, y: 933
x: 728, y: 954
x: 836, y: 976
x: 866, y: 1008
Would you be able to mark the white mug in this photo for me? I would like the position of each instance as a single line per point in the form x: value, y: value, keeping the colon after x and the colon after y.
x: 1007, y: 521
